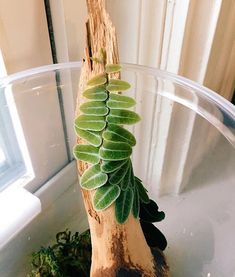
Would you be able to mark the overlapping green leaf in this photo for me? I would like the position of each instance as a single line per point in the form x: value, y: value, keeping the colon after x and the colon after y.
x: 97, y: 80
x: 93, y: 178
x: 97, y: 93
x: 123, y: 205
x: 119, y: 116
x: 112, y: 68
x: 110, y: 166
x: 136, y: 203
x: 114, y: 151
x: 110, y: 147
x: 117, y: 176
x: 116, y: 85
x: 117, y: 133
x: 97, y: 108
x: 105, y: 196
x: 142, y: 191
x: 90, y: 122
x: 92, y: 137
x: 87, y: 153
x: 118, y: 101
x: 126, y: 180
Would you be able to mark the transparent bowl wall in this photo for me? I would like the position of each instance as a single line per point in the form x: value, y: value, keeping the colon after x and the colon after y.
x: 185, y: 154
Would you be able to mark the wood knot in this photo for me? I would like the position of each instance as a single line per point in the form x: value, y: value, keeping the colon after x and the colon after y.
x: 94, y: 215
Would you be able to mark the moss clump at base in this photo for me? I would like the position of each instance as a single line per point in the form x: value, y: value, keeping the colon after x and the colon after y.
x: 70, y: 256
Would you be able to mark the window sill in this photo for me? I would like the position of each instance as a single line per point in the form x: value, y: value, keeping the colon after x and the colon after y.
x: 18, y: 207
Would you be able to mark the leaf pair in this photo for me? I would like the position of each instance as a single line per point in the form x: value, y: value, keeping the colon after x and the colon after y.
x: 110, y: 151
x: 98, y: 122
x: 108, y: 194
x: 98, y: 91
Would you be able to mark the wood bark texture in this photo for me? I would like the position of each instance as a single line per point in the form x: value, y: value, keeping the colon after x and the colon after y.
x: 117, y: 249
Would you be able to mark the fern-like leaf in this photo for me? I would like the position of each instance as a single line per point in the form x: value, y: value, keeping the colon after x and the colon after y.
x: 87, y: 153
x: 94, y: 138
x: 105, y: 196
x: 110, y: 146
x: 110, y: 166
x: 120, y: 116
x: 111, y: 68
x: 117, y: 101
x: 97, y: 80
x: 123, y: 205
x: 97, y: 93
x: 97, y: 108
x: 117, y: 133
x: 93, y: 178
x: 115, y: 151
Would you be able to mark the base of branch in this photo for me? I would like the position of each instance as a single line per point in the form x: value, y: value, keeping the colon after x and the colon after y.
x: 161, y: 268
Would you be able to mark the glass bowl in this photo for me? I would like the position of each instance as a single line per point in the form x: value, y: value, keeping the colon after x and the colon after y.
x: 185, y: 155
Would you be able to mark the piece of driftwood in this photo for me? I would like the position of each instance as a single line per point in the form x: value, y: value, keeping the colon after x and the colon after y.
x: 117, y: 249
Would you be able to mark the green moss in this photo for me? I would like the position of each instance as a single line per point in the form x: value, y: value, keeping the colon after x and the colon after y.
x: 69, y: 256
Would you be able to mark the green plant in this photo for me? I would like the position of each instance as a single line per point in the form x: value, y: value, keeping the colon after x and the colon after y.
x: 109, y: 145
x: 69, y: 256
x: 110, y: 173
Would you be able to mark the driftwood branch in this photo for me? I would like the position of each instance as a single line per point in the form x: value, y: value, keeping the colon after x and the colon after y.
x: 116, y: 249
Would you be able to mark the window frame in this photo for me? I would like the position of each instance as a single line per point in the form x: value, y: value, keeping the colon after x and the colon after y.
x: 14, y: 165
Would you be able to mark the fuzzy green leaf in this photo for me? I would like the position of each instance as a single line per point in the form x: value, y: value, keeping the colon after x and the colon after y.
x: 136, y: 203
x: 117, y: 101
x: 97, y: 60
x: 110, y: 166
x: 87, y: 153
x: 118, y: 134
x: 119, y: 116
x: 93, y: 178
x: 97, y: 93
x: 90, y: 122
x: 93, y: 138
x: 94, y: 108
x: 126, y: 181
x: 142, y: 191
x: 117, y: 176
x: 123, y: 205
x: 97, y: 80
x: 111, y: 68
x: 105, y: 196
x: 116, y: 85
x: 115, y: 151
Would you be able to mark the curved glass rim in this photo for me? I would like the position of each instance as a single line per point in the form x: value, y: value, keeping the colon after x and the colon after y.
x: 208, y: 93
x: 202, y: 91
